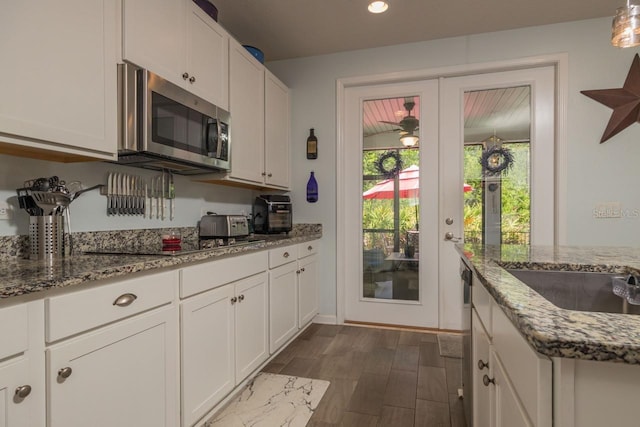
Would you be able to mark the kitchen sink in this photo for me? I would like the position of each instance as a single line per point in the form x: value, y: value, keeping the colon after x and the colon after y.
x: 576, y: 290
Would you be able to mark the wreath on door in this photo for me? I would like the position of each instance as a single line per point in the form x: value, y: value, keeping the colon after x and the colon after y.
x: 496, y: 159
x: 389, y: 164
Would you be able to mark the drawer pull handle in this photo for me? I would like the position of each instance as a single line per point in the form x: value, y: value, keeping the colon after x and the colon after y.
x: 482, y: 365
x: 192, y: 79
x: 241, y: 298
x: 486, y: 380
x: 125, y: 300
x: 309, y: 248
x: 298, y: 272
x: 286, y: 254
x: 302, y: 269
x: 234, y: 300
x: 65, y: 372
x: 185, y: 76
x: 23, y: 391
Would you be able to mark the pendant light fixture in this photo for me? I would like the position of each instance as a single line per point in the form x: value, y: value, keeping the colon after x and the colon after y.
x: 378, y: 6
x: 625, y: 30
x: 409, y: 140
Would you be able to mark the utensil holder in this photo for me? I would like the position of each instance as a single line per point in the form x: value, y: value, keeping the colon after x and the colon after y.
x: 46, y: 237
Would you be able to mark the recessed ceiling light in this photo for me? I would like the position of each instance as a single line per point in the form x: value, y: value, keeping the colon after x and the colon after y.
x: 378, y: 6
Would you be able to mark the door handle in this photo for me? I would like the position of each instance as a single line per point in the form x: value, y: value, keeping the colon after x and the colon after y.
x: 449, y: 236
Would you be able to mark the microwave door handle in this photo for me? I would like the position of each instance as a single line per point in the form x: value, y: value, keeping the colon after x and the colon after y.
x: 209, y: 138
x: 219, y: 139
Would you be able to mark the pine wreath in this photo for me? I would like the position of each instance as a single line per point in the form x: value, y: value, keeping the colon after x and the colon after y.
x: 496, y: 159
x: 386, y: 167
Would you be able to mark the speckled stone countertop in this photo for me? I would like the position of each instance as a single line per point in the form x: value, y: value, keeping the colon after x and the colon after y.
x: 551, y: 330
x: 22, y: 276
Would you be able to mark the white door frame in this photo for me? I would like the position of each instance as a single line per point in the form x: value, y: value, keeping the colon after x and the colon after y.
x: 559, y: 61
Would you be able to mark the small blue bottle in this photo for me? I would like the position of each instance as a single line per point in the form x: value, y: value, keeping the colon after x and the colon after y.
x: 312, y: 189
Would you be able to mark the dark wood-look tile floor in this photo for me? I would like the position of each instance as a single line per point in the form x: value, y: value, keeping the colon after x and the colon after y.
x: 379, y: 377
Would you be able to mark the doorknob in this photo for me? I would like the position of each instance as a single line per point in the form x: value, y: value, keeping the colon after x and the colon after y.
x: 448, y: 221
x: 449, y: 236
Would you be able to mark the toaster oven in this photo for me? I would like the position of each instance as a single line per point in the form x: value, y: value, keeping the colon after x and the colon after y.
x: 223, y: 226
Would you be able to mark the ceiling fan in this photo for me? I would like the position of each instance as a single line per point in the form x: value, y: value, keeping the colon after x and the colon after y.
x: 408, y: 125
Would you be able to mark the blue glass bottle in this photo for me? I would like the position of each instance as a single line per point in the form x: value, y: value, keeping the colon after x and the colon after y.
x: 312, y: 189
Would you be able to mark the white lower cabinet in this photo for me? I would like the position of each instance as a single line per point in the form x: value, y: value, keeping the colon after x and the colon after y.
x: 293, y: 291
x: 208, y: 351
x: 480, y: 368
x: 307, y: 289
x: 22, y: 385
x: 506, y: 407
x: 283, y: 304
x: 512, y: 384
x: 120, y: 375
x: 224, y: 330
x: 252, y: 322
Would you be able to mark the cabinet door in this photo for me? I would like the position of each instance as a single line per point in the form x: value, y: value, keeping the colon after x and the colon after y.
x: 246, y: 104
x: 58, y: 83
x: 480, y: 366
x: 207, y: 322
x: 506, y: 408
x: 15, y: 411
x: 283, y: 305
x: 277, y: 141
x: 154, y: 36
x: 252, y: 344
x: 307, y: 289
x: 121, y: 375
x: 207, y: 57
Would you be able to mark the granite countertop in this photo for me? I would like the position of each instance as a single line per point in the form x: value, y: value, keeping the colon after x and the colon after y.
x: 23, y: 276
x: 550, y: 330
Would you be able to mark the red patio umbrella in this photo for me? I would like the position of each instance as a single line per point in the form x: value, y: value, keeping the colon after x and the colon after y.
x: 409, y: 181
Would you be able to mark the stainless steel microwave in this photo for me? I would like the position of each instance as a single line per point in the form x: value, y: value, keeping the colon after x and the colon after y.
x: 163, y: 126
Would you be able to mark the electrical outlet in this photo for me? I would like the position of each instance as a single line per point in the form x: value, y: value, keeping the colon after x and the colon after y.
x: 4, y: 211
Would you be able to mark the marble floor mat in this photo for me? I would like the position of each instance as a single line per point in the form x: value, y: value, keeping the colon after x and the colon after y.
x: 272, y: 400
x: 450, y: 345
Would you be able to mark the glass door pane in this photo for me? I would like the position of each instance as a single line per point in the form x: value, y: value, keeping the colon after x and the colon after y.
x: 390, y: 192
x: 497, y: 166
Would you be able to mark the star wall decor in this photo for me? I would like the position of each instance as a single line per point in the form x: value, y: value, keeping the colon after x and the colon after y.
x: 625, y: 101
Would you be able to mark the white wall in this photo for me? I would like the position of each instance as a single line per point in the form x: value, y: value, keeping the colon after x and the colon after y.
x: 596, y: 172
x: 88, y: 211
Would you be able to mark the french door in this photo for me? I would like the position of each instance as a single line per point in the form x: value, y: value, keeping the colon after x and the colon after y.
x: 392, y: 207
x: 401, y: 273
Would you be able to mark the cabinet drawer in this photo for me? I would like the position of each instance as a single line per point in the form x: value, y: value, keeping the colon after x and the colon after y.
x: 482, y: 303
x: 203, y: 277
x: 14, y: 330
x: 79, y: 311
x: 281, y: 256
x: 307, y: 248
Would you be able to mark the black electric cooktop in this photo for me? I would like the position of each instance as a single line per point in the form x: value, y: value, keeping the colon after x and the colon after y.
x: 185, y: 247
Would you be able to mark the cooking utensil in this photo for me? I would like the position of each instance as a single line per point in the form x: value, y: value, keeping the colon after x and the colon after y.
x: 50, y: 201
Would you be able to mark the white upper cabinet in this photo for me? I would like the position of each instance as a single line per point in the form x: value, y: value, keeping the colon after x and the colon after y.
x: 58, y: 82
x: 207, y: 57
x: 276, y: 151
x: 247, y: 115
x: 178, y: 41
x: 259, y: 107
